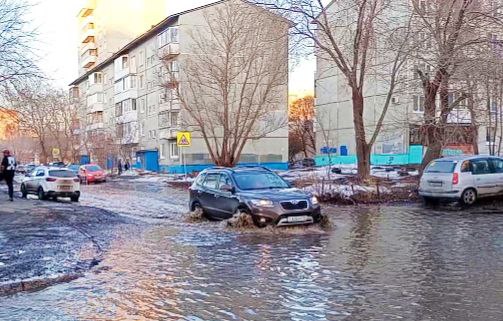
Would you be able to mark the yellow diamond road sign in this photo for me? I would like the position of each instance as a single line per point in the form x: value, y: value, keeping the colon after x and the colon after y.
x: 183, y: 139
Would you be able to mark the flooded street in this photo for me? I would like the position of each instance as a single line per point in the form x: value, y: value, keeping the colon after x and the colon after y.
x: 377, y: 263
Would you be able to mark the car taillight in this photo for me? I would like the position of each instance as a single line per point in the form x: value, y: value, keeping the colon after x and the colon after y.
x: 455, y: 179
x: 50, y: 179
x: 76, y: 180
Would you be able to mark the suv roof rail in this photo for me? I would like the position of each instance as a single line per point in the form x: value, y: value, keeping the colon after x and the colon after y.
x: 253, y: 166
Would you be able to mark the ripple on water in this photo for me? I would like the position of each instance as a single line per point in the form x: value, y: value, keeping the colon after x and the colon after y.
x: 387, y: 263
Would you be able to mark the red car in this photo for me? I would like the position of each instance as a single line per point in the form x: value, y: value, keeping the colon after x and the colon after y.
x: 92, y: 173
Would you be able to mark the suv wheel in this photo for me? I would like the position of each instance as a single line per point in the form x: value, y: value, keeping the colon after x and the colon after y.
x: 41, y: 194
x: 75, y: 198
x: 469, y: 197
x: 24, y: 192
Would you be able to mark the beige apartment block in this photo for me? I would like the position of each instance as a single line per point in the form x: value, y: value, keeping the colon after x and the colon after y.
x: 105, y: 26
x: 121, y: 99
x: 398, y: 141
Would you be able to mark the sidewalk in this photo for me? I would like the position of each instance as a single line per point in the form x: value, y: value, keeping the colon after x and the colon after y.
x: 42, y: 243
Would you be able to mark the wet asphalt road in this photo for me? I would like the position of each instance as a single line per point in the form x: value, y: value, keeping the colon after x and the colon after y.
x: 378, y: 263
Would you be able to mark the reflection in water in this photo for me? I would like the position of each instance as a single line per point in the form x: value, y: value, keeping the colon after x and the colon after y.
x: 388, y: 263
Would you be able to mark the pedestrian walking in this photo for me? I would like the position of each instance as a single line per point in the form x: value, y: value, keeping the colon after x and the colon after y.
x: 127, y: 166
x: 119, y: 166
x: 8, y: 169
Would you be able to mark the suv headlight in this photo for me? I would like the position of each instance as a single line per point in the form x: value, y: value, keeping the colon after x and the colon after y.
x: 314, y: 200
x: 262, y: 203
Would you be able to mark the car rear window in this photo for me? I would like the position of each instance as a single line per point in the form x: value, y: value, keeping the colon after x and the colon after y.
x: 441, y: 167
x: 61, y: 173
x: 94, y: 168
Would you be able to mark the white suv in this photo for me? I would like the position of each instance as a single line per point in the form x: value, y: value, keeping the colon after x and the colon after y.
x: 49, y: 182
x: 463, y: 178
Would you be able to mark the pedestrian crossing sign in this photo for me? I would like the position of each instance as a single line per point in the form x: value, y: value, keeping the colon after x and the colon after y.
x: 184, y: 139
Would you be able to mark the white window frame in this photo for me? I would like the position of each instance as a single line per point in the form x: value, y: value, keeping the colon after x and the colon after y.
x: 174, y: 147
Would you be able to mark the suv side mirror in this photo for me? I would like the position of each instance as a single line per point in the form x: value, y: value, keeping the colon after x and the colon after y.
x: 227, y: 188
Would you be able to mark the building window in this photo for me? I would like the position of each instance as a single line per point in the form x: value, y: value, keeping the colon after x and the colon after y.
x: 125, y: 63
x: 142, y: 105
x: 418, y: 103
x: 142, y: 58
x: 174, y: 150
x: 142, y: 129
x: 163, y: 120
x: 133, y: 104
x: 118, y: 109
x: 141, y: 82
x: 173, y: 34
x: 163, y: 151
x: 174, y: 118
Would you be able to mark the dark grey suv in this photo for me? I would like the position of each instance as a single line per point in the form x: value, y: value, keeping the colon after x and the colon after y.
x: 222, y: 192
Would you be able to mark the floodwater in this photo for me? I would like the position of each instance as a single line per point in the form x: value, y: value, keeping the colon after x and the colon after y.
x: 377, y: 263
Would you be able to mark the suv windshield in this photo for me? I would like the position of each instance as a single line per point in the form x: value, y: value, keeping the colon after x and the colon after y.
x: 61, y: 173
x: 93, y: 168
x: 441, y: 167
x: 259, y: 180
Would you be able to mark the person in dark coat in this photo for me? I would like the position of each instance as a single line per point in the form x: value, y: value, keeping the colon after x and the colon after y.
x: 119, y: 166
x: 8, y: 169
x: 127, y: 166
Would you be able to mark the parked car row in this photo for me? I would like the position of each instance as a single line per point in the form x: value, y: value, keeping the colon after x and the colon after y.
x: 60, y: 181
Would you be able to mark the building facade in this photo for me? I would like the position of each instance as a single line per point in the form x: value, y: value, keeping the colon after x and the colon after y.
x: 128, y: 113
x: 101, y: 33
x: 399, y: 141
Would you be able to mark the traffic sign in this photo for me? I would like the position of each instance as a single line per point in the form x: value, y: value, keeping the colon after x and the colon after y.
x: 184, y: 139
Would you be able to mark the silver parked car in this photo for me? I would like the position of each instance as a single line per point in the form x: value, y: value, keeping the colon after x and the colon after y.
x: 462, y: 178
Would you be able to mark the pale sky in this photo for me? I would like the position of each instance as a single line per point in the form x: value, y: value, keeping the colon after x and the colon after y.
x: 55, y: 21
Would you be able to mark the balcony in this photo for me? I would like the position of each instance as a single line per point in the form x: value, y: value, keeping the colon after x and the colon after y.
x: 88, y: 61
x: 95, y: 126
x: 127, y: 94
x: 174, y: 104
x: 168, y: 133
x: 88, y: 46
x: 172, y: 79
x: 459, y: 116
x: 95, y: 88
x: 88, y: 35
x: 128, y: 117
x: 169, y: 51
x: 87, y: 8
x: 95, y: 107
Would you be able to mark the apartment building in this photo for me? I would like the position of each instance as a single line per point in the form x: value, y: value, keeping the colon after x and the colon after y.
x: 399, y: 141
x: 105, y: 26
x: 124, y: 103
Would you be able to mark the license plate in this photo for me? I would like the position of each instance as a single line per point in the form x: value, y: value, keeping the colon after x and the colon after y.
x: 293, y: 219
x: 436, y: 184
x: 65, y: 188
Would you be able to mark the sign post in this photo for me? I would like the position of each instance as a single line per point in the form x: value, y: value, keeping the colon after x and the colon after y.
x: 184, y: 140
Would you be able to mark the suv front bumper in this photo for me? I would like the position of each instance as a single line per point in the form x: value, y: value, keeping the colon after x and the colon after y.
x: 281, y: 217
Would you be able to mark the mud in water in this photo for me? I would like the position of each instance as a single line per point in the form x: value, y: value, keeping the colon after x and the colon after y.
x: 196, y: 216
x: 240, y: 221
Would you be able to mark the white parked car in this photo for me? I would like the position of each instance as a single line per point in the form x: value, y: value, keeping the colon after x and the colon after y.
x: 462, y: 178
x: 47, y: 182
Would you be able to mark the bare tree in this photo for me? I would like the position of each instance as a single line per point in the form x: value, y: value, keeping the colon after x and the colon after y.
x: 302, y: 138
x: 457, y: 31
x: 233, y: 84
x: 16, y: 39
x: 46, y: 115
x: 363, y: 40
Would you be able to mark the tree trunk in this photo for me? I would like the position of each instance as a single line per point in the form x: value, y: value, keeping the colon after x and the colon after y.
x: 362, y: 148
x: 433, y: 151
